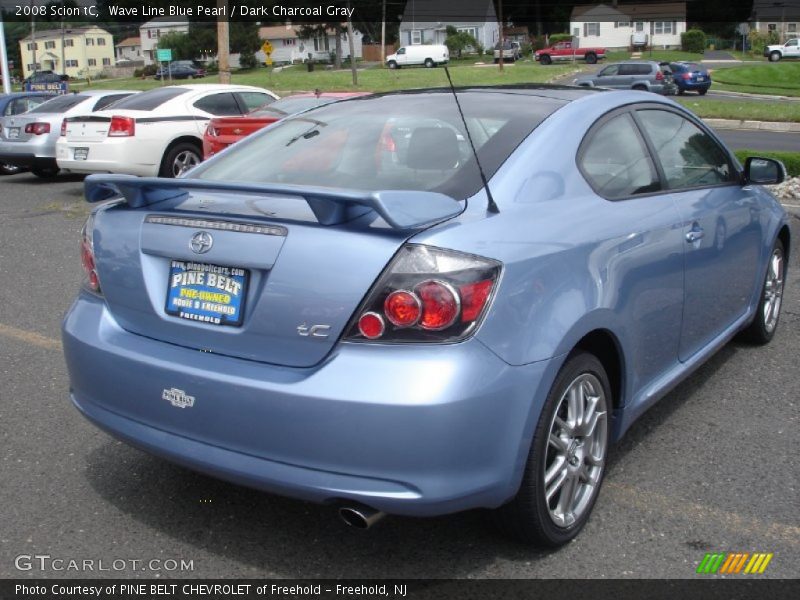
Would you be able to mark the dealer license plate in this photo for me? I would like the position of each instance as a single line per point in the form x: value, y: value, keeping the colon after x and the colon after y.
x: 206, y: 293
x: 81, y: 153
x: 700, y: 78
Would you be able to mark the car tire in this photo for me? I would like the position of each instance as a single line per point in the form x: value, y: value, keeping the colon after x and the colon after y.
x: 393, y: 65
x: 591, y: 58
x: 577, y: 409
x: 545, y: 59
x: 774, y: 56
x: 45, y: 172
x: 180, y: 158
x: 762, y: 329
x: 702, y: 92
x: 7, y: 169
x: 641, y: 88
x: 681, y: 91
x: 429, y: 64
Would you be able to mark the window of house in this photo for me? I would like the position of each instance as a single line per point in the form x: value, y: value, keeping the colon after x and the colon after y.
x: 791, y: 27
x: 101, y: 41
x: 473, y: 31
x: 106, y: 62
x: 772, y: 27
x: 289, y: 42
x: 92, y: 62
x: 623, y: 24
x: 71, y: 63
x: 32, y: 46
x: 321, y: 44
x: 416, y: 36
x: 591, y: 29
x: 661, y: 27
x: 90, y: 41
x: 49, y: 45
x: 69, y: 43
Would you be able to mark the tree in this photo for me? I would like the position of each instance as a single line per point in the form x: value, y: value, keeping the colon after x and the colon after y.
x: 310, y: 31
x: 458, y: 41
x: 181, y: 44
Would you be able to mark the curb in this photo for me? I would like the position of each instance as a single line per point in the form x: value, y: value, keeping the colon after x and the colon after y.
x: 756, y: 96
x: 753, y: 125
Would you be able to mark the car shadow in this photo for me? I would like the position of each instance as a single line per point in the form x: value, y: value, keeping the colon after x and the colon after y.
x: 300, y: 539
x: 28, y: 178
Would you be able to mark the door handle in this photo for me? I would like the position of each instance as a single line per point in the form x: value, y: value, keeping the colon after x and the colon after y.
x: 695, y: 235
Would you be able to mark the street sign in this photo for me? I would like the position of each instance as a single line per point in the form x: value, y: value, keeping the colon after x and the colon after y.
x: 267, y: 48
x: 164, y: 55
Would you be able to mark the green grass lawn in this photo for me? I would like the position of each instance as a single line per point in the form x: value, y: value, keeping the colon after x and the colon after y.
x: 781, y: 79
x: 749, y: 111
x: 373, y: 79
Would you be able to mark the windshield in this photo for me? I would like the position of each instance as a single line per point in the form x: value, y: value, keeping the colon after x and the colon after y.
x: 61, y: 104
x: 409, y: 141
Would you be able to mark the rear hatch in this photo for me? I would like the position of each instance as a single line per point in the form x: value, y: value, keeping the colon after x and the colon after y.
x: 275, y: 270
x: 14, y: 127
x: 93, y: 128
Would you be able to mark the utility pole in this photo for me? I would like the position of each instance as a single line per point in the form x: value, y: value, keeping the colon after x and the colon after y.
x: 500, y: 16
x: 383, y: 35
x: 223, y: 43
x: 352, y: 46
x: 4, y: 57
x: 63, y: 61
x: 33, y: 39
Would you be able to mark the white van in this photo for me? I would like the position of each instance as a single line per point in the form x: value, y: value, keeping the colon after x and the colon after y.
x: 428, y: 55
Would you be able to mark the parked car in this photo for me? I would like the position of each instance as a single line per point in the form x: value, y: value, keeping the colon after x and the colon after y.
x: 645, y: 75
x: 690, y: 77
x: 29, y: 140
x: 309, y: 314
x: 790, y: 49
x: 159, y: 132
x: 568, y: 51
x: 512, y: 51
x: 180, y: 71
x: 224, y: 131
x: 17, y: 103
x: 428, y: 55
x: 46, y: 77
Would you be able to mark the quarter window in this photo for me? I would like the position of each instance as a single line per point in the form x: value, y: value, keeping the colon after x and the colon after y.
x: 221, y: 105
x: 616, y: 162
x: 689, y: 156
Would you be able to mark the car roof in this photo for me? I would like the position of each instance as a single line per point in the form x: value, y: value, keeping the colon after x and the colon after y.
x: 562, y: 93
x: 92, y: 93
x: 206, y: 87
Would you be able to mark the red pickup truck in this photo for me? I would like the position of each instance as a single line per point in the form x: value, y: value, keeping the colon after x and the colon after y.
x: 565, y: 51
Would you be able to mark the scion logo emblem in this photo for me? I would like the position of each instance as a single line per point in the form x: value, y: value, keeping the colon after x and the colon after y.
x: 317, y: 331
x: 201, y: 242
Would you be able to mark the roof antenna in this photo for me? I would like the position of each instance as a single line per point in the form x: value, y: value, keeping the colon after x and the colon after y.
x: 491, y: 206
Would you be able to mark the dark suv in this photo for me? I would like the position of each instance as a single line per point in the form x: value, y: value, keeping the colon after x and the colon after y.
x: 46, y: 77
x: 646, y: 75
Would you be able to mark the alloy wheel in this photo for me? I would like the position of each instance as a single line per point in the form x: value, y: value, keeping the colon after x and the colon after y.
x: 773, y: 290
x: 184, y: 161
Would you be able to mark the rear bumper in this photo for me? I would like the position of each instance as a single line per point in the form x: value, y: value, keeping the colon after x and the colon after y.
x: 28, y: 161
x: 689, y: 86
x: 407, y: 430
x: 109, y: 156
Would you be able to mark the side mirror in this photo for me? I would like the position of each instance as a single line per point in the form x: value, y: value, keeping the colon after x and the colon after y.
x: 763, y: 171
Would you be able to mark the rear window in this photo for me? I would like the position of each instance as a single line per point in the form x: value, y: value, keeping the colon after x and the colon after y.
x: 106, y: 101
x: 150, y: 100
x: 411, y: 141
x: 635, y: 69
x: 61, y: 104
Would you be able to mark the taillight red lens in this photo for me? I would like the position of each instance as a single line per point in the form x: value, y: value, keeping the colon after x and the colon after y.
x: 440, y: 305
x: 371, y: 325
x: 422, y: 294
x: 403, y: 308
x: 659, y: 76
x: 122, y: 127
x: 37, y: 128
x: 686, y: 76
x: 87, y: 256
x: 63, y: 128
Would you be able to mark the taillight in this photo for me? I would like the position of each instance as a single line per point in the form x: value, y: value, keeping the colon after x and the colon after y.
x: 63, y: 128
x: 92, y: 281
x: 427, y: 294
x: 122, y: 127
x: 37, y: 128
x: 686, y: 76
x: 659, y: 76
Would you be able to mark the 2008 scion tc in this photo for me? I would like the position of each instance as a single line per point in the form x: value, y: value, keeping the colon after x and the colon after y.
x: 333, y: 310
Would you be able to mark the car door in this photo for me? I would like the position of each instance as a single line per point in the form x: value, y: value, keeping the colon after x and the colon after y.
x: 791, y: 49
x: 402, y: 57
x: 720, y: 222
x: 608, y: 77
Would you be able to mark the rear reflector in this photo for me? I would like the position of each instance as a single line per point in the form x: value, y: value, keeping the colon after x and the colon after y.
x: 371, y: 325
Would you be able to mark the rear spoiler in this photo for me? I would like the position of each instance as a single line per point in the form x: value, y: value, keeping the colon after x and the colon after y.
x: 400, y: 209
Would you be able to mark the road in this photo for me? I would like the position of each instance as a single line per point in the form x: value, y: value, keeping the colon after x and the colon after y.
x: 713, y: 467
x: 760, y: 140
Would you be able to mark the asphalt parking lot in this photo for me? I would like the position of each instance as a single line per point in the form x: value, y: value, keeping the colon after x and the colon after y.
x: 712, y: 468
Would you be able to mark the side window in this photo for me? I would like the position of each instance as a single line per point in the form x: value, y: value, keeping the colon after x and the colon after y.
x: 609, y: 71
x: 254, y: 100
x: 221, y: 105
x: 688, y: 156
x: 401, y: 51
x: 615, y: 160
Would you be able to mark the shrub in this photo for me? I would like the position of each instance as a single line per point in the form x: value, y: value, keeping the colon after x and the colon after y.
x: 693, y: 40
x: 790, y: 159
x: 247, y: 60
x: 560, y: 37
x: 759, y: 41
x: 147, y: 71
x: 526, y: 49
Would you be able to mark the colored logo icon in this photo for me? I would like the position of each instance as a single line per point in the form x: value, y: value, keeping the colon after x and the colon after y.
x: 734, y: 563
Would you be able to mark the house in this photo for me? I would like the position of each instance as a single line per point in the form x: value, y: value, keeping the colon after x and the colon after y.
x: 152, y: 31
x: 129, y: 50
x: 288, y: 46
x: 84, y: 51
x: 657, y: 25
x: 517, y: 34
x: 426, y: 22
x: 780, y: 18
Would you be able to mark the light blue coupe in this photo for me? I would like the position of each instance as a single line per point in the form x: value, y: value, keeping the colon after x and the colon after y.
x: 339, y: 309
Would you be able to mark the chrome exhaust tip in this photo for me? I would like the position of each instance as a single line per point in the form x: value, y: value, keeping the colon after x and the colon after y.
x: 360, y: 517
